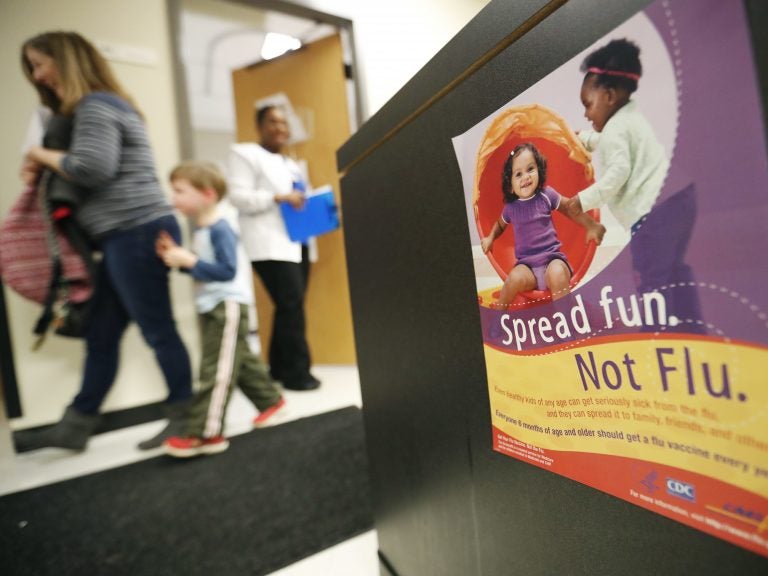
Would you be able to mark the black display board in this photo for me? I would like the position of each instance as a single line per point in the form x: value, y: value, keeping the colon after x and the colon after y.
x: 445, y: 503
x: 8, y: 381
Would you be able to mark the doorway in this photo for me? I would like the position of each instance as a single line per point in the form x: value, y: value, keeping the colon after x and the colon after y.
x: 221, y: 71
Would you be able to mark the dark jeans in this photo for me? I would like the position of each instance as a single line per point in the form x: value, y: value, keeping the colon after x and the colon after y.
x: 133, y: 285
x: 286, y: 282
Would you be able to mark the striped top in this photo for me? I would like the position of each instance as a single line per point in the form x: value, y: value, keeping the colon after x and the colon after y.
x: 111, y: 158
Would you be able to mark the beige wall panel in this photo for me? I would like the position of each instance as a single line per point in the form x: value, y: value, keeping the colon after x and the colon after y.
x: 49, y: 378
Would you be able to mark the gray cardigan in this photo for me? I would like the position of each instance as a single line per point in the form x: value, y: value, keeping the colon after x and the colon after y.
x: 111, y: 158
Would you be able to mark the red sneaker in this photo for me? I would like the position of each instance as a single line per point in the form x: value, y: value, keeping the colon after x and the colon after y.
x: 186, y: 447
x: 267, y: 416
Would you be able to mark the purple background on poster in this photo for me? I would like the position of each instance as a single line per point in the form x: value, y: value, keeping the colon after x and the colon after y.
x: 713, y: 232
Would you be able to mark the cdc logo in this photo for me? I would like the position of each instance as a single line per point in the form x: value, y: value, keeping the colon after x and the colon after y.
x: 681, y: 489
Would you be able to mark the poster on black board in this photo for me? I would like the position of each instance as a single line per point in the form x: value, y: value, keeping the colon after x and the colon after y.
x: 616, y: 211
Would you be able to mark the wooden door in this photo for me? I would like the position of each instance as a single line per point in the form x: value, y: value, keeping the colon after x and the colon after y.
x: 313, y: 80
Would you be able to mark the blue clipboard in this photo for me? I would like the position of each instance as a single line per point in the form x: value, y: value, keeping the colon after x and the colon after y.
x: 319, y: 215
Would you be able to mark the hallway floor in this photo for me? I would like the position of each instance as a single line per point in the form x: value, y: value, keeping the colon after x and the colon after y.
x: 341, y: 387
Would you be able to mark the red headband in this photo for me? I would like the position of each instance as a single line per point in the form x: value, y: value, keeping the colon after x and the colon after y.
x: 630, y: 75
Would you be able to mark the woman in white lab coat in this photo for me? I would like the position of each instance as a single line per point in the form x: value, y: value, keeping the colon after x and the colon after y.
x: 261, y: 177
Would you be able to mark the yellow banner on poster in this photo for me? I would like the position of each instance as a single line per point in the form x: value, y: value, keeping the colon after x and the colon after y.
x: 696, y: 404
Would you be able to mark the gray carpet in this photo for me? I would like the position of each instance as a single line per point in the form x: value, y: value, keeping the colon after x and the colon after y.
x: 277, y: 495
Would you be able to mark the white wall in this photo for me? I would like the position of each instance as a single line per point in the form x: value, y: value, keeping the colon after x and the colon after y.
x: 394, y: 39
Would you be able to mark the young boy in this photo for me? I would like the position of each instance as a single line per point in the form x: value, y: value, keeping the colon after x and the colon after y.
x: 222, y: 296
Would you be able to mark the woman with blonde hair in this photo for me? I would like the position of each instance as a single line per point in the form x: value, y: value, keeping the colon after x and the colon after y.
x: 123, y: 209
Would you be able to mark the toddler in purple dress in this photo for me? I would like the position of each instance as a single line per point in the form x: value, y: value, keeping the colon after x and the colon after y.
x: 528, y: 206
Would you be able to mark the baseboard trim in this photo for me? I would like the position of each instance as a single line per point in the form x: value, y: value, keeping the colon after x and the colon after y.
x: 386, y: 564
x: 116, y: 419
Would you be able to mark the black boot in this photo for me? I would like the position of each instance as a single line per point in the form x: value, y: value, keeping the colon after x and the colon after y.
x: 177, y: 425
x: 71, y: 432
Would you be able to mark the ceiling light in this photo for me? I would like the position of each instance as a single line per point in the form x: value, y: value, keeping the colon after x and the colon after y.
x: 277, y: 44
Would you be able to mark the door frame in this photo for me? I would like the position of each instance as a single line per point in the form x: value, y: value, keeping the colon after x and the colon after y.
x: 183, y: 116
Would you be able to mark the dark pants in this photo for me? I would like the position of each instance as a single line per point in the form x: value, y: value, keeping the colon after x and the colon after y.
x: 227, y: 361
x: 286, y: 282
x: 132, y: 285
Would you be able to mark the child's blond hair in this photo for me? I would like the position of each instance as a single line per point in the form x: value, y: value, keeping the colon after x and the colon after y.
x: 201, y: 175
